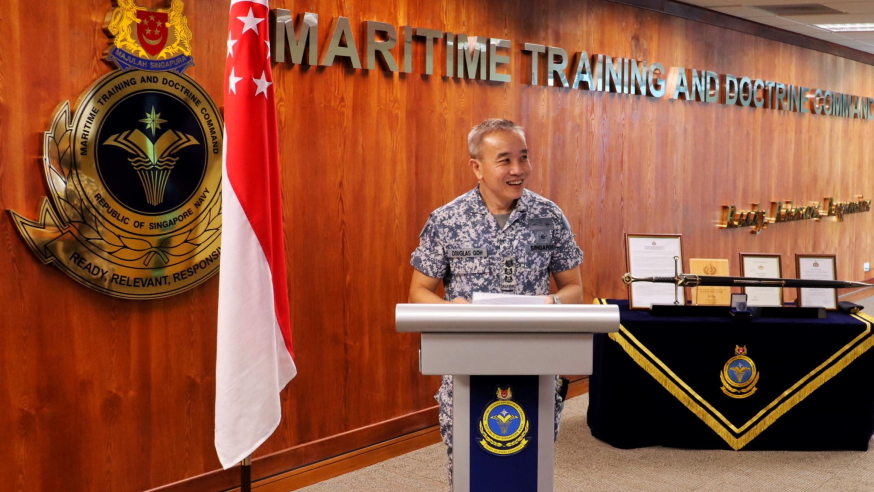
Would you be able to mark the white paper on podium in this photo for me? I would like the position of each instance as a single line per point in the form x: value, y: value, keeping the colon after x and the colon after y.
x: 490, y: 298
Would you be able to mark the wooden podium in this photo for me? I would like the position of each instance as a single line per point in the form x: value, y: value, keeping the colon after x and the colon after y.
x: 504, y: 359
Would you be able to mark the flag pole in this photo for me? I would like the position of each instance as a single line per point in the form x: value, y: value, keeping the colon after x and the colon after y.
x: 246, y: 474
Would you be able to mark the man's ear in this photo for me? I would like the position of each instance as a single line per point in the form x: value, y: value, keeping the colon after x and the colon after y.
x: 476, y: 166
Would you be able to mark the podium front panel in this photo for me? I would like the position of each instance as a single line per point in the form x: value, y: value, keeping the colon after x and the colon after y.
x: 508, y: 443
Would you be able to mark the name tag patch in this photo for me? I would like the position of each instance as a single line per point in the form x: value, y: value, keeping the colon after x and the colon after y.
x: 468, y: 253
x: 540, y: 247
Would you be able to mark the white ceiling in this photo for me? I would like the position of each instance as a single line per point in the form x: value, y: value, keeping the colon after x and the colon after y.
x: 855, y: 12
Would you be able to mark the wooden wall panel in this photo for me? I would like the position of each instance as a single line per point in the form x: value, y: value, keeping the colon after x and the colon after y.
x: 104, y: 394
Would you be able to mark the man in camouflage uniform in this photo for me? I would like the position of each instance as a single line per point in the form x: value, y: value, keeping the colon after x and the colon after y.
x: 498, y: 238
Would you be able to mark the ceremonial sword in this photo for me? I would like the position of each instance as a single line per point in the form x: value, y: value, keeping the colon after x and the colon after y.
x: 692, y: 280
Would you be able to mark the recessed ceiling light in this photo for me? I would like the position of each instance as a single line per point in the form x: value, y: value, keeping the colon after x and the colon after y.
x: 846, y: 27
x: 798, y: 9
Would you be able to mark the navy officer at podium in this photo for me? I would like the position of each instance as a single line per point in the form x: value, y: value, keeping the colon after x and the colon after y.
x: 499, y: 238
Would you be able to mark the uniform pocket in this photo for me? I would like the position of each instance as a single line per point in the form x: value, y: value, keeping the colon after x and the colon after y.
x: 534, y: 260
x: 466, y: 266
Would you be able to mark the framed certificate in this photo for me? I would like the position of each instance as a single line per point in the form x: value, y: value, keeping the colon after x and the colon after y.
x: 710, y: 296
x: 817, y: 267
x: 762, y: 266
x: 652, y: 255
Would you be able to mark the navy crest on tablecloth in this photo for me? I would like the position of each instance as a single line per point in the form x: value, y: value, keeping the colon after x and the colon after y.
x: 796, y: 370
x: 739, y: 376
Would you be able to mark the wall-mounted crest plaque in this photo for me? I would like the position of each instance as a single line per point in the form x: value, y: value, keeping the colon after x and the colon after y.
x: 135, y: 171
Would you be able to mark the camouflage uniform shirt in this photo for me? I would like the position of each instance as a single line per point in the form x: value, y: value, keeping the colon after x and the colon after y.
x: 463, y: 245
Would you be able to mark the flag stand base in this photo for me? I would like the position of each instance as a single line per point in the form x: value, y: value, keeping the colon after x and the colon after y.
x: 246, y: 474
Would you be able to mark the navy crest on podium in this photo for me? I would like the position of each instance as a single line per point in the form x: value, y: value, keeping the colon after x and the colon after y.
x: 504, y: 426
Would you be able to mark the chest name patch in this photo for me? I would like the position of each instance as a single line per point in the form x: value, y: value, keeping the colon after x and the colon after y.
x: 468, y: 253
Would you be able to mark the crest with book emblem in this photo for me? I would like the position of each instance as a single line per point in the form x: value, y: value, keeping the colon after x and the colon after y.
x: 134, y: 171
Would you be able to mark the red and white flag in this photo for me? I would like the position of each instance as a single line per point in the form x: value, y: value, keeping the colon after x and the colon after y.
x: 254, y: 359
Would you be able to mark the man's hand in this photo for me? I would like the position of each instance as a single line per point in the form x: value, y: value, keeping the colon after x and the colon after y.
x: 422, y: 288
x: 569, y: 285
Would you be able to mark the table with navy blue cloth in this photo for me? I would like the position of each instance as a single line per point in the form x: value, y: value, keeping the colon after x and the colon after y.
x: 714, y: 383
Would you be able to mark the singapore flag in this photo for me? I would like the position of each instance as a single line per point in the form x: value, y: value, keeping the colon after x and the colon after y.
x: 254, y: 355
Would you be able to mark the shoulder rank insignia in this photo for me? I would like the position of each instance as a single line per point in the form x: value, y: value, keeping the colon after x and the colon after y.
x: 739, y: 376
x: 504, y: 426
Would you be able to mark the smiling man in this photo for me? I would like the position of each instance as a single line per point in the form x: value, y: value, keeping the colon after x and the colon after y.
x: 497, y: 238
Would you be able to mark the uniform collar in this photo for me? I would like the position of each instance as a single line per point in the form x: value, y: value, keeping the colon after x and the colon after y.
x: 478, y: 206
